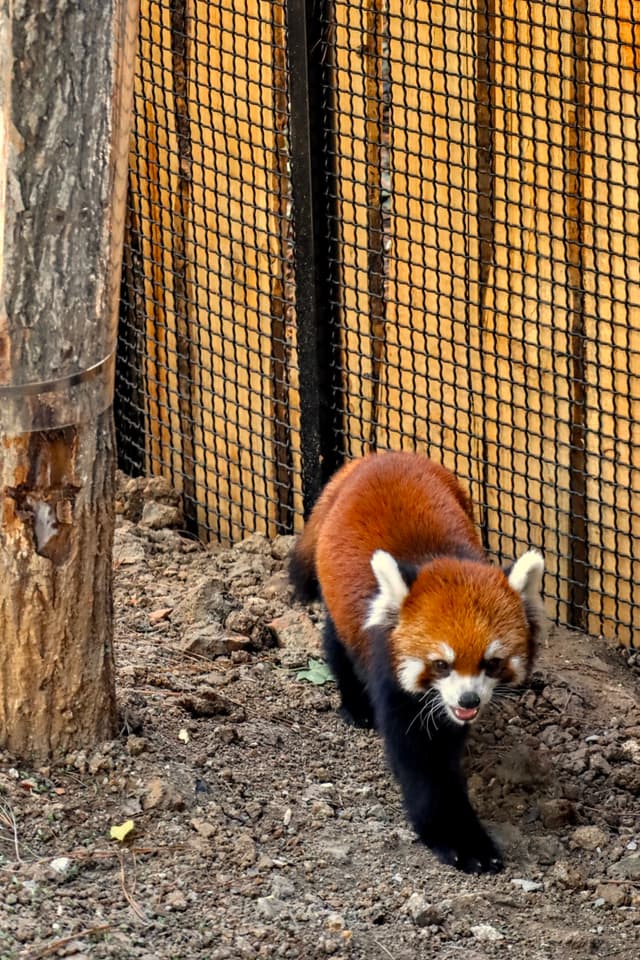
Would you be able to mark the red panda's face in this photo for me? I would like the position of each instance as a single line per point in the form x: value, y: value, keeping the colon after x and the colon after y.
x: 460, y: 629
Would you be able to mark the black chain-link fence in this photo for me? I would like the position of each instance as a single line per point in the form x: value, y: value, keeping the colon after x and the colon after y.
x: 370, y: 224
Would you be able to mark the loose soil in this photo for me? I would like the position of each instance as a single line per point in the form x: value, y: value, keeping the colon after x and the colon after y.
x: 264, y: 827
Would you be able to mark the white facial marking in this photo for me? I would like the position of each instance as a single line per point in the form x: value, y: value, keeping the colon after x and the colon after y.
x: 496, y: 649
x: 442, y: 652
x: 526, y: 574
x: 385, y: 606
x: 409, y: 670
x: 454, y: 686
x: 518, y: 668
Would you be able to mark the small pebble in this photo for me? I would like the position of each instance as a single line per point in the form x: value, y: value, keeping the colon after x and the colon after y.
x: 484, y: 931
x: 528, y: 886
x: 269, y: 907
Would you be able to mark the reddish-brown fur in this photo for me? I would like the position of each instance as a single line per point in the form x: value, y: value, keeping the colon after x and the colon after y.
x: 455, y: 599
x: 403, y: 503
x: 417, y: 647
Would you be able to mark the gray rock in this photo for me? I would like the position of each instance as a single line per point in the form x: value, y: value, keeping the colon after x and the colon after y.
x: 270, y: 907
x: 626, y: 869
x: 527, y: 886
x: 484, y: 931
x: 176, y: 901
x: 281, y: 547
x: 158, y: 515
x: 420, y: 911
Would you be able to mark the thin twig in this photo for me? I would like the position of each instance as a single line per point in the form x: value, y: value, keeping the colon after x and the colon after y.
x: 7, y: 816
x: 128, y: 895
x: 386, y: 950
x: 55, y: 945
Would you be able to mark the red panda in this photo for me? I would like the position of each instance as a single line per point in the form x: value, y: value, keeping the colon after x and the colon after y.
x: 419, y: 630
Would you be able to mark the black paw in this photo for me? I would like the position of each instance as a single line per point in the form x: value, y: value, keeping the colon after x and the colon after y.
x: 471, y: 855
x: 357, y: 718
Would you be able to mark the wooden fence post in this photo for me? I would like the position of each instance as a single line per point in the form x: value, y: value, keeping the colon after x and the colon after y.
x: 65, y: 104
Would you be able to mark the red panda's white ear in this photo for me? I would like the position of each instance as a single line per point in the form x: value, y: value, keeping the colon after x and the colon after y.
x: 393, y: 590
x: 525, y: 575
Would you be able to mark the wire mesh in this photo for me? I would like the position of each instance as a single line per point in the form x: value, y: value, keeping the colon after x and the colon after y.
x: 206, y: 379
x: 477, y: 241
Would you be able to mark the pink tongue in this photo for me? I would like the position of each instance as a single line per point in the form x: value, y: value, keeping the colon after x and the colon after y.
x: 463, y: 713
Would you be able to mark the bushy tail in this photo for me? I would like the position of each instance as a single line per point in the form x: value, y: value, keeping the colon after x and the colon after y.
x: 302, y: 563
x: 302, y: 572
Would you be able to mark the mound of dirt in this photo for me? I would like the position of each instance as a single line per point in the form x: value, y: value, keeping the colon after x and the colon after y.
x: 264, y: 827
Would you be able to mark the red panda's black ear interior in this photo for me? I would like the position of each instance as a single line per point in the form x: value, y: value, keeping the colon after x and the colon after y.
x: 408, y: 572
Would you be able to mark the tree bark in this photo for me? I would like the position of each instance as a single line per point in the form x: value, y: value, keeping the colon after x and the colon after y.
x: 65, y: 99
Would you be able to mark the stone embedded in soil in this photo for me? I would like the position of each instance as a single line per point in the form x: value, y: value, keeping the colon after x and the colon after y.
x: 136, y: 745
x: 296, y: 635
x: 556, y: 812
x: 205, y: 640
x: 270, y: 907
x: 485, y: 931
x: 613, y: 894
x: 130, y: 553
x: 526, y: 885
x: 568, y: 874
x: 163, y: 795
x: 589, y: 838
x: 158, y: 515
x: 628, y: 868
x: 204, y: 828
x: 205, y: 603
x: 205, y: 702
x: 628, y: 778
x: 338, y: 852
x: 281, y: 547
x: 521, y: 767
x: 244, y: 850
x: 175, y: 900
x: 422, y: 912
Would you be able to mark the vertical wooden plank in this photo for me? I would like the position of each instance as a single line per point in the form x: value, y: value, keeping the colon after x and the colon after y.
x: 612, y: 305
x: 210, y: 191
x: 357, y: 33
x: 527, y: 312
x: 238, y: 256
x: 153, y: 179
x: 433, y: 259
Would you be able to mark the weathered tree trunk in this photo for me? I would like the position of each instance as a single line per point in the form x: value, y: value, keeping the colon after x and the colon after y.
x: 65, y: 98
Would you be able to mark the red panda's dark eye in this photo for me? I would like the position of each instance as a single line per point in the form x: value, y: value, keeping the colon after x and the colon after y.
x: 441, y: 668
x: 492, y: 667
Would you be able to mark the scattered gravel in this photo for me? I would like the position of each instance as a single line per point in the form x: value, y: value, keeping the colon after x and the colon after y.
x: 266, y: 828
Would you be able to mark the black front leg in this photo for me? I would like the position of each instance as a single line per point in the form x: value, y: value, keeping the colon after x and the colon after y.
x: 426, y: 762
x: 355, y: 703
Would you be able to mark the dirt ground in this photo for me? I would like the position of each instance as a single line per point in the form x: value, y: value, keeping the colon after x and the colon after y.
x: 264, y: 827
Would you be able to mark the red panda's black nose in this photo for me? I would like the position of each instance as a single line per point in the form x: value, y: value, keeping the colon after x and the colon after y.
x: 469, y: 700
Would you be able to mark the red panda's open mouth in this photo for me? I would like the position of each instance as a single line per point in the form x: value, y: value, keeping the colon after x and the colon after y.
x: 466, y: 714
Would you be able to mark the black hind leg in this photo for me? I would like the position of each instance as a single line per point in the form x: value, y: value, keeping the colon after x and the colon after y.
x: 356, y: 707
